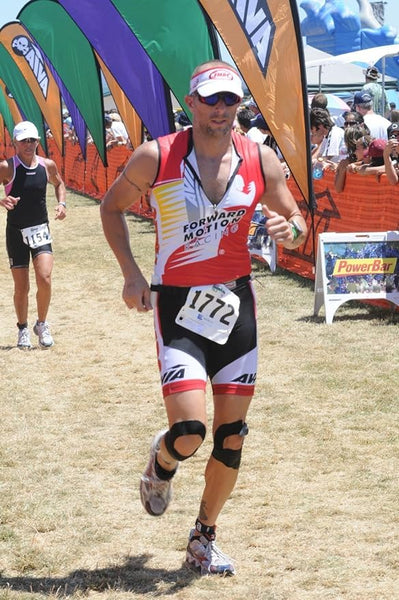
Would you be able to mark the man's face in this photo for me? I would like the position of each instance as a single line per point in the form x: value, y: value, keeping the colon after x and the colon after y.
x: 26, y: 148
x: 213, y: 120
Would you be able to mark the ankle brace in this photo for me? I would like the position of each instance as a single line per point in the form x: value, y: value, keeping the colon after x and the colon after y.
x: 209, y: 531
x: 162, y: 473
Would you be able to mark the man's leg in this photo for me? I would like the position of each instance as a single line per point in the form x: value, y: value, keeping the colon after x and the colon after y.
x: 220, y: 478
x: 186, y: 413
x: 21, y: 290
x: 183, y: 407
x: 43, y: 264
x: 229, y: 430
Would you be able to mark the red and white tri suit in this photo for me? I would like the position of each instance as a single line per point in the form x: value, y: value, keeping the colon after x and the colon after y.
x: 199, y: 243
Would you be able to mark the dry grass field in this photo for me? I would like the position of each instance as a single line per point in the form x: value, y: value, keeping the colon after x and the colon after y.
x: 315, y: 514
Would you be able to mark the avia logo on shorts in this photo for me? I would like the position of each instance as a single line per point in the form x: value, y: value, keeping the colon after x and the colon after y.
x: 175, y: 372
x: 258, y: 27
x: 248, y: 378
x: 364, y: 266
x: 22, y: 46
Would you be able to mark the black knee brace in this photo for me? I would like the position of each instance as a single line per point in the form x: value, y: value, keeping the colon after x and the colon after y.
x: 230, y: 458
x: 179, y: 429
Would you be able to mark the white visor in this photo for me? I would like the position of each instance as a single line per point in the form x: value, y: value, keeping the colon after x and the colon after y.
x: 216, y: 79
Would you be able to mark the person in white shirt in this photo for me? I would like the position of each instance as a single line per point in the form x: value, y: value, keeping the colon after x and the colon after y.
x: 326, y: 137
x: 254, y: 133
x: 377, y: 124
x: 120, y: 131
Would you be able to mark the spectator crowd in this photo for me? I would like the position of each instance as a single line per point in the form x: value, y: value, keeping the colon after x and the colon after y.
x: 362, y: 140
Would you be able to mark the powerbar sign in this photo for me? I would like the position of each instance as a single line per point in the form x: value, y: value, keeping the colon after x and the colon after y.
x: 356, y: 266
x: 353, y: 266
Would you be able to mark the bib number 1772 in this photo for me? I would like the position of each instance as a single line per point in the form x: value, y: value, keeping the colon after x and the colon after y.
x: 210, y: 311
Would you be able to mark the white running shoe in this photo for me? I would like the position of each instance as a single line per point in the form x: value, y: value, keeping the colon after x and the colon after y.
x: 206, y: 558
x: 155, y: 493
x: 42, y: 330
x: 24, y: 339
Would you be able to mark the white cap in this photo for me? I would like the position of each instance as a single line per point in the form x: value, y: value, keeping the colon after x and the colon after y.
x: 216, y: 79
x: 25, y: 130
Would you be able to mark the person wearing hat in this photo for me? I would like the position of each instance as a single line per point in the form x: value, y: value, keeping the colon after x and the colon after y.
x: 25, y: 177
x: 255, y: 132
x: 372, y: 87
x: 183, y: 120
x: 206, y: 182
x: 371, y: 158
x: 391, y: 151
x: 110, y: 138
x: 377, y: 124
x: 251, y: 105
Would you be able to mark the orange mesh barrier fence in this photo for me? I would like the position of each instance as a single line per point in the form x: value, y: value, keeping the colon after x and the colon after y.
x: 365, y: 204
x: 55, y: 155
x: 3, y: 141
x: 6, y: 147
x: 74, y: 175
x: 117, y: 159
x: 96, y: 181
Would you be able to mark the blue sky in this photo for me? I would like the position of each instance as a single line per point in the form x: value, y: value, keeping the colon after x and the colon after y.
x: 10, y: 8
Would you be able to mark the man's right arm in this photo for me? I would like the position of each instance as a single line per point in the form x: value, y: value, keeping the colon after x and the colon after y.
x: 9, y: 202
x: 136, y: 179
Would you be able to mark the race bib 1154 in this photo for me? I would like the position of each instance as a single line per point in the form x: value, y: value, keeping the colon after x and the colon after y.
x: 36, y: 236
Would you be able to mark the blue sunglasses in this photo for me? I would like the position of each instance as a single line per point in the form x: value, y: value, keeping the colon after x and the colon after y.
x: 228, y: 98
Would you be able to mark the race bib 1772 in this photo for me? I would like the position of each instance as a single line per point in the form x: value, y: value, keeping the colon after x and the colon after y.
x: 210, y: 311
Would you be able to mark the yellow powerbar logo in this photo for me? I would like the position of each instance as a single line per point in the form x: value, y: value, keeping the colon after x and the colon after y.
x: 364, y: 266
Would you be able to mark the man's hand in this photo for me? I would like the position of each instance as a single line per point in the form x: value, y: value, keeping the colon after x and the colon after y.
x: 9, y: 202
x: 60, y: 212
x: 278, y: 228
x: 136, y: 294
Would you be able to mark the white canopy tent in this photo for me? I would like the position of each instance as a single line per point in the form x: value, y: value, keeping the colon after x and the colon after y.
x: 328, y: 68
x: 319, y: 71
x: 368, y: 57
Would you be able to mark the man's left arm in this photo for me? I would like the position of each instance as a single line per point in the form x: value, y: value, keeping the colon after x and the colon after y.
x: 285, y: 223
x: 60, y: 191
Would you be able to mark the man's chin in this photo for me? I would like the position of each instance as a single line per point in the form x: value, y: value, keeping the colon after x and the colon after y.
x: 220, y: 131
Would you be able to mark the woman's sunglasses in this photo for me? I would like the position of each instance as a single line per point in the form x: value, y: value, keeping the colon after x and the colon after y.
x: 228, y: 98
x: 28, y: 141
